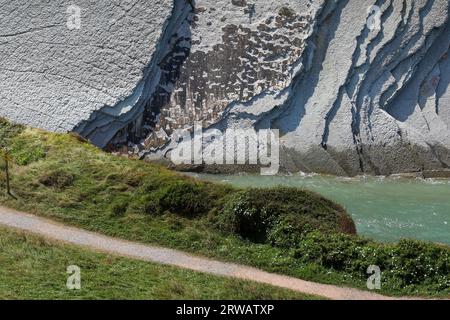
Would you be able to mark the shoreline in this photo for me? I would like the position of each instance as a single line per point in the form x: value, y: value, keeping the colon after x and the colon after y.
x: 254, y: 169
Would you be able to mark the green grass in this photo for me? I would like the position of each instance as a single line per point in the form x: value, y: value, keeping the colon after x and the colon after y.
x: 78, y: 184
x: 33, y: 268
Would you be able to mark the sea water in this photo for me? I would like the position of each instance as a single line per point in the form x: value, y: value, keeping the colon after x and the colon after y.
x: 383, y: 208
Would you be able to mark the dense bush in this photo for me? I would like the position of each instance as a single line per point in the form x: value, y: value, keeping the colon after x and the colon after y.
x: 416, y: 262
x: 407, y: 263
x: 186, y: 198
x: 282, y: 216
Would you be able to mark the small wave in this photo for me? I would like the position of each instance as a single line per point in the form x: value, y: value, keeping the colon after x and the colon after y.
x: 436, y: 181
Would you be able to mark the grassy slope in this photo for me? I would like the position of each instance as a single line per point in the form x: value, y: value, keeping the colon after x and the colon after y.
x: 32, y: 268
x: 81, y: 185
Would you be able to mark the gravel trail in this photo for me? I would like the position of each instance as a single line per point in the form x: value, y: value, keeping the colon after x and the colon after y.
x: 59, y: 232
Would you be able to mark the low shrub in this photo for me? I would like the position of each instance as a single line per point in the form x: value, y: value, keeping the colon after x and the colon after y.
x: 408, y: 263
x: 416, y: 262
x: 337, y: 251
x: 282, y: 216
x: 187, y: 198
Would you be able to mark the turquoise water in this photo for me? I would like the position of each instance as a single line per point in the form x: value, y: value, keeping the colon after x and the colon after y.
x: 386, y: 209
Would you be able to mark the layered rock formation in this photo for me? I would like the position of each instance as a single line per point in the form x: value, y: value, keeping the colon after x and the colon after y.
x: 92, y: 77
x: 354, y: 86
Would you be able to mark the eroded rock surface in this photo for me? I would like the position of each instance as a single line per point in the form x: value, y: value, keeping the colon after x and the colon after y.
x: 354, y: 86
x: 61, y: 78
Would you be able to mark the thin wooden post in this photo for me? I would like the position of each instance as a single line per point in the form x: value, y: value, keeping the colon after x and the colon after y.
x: 8, y: 187
x: 4, y: 154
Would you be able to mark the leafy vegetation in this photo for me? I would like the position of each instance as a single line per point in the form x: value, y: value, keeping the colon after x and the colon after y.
x: 408, y: 265
x: 33, y: 268
x: 282, y: 230
x: 282, y: 216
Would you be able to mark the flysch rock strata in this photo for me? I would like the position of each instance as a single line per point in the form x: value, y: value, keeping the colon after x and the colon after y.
x: 354, y: 86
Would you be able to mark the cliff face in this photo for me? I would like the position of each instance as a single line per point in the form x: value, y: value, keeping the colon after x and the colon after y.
x: 354, y: 86
x: 80, y: 65
x: 372, y: 100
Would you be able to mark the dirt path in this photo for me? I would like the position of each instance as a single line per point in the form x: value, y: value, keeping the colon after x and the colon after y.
x: 55, y: 231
